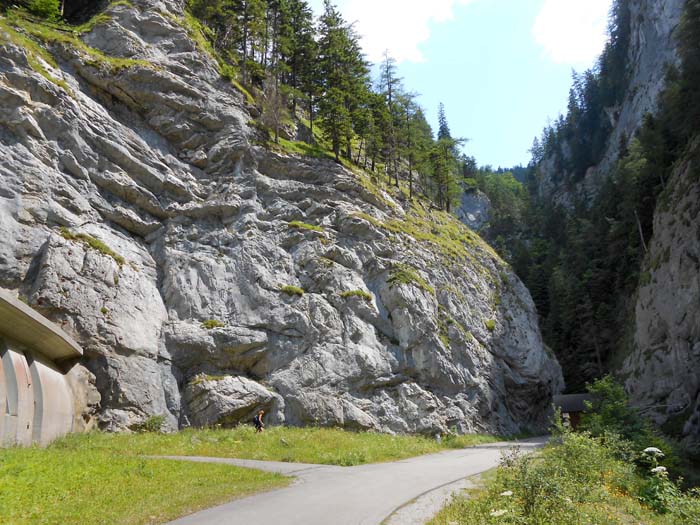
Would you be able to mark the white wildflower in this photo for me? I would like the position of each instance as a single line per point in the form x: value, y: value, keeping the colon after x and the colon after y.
x: 654, y: 451
x: 498, y: 513
x: 507, y: 493
x: 568, y: 500
x: 657, y: 470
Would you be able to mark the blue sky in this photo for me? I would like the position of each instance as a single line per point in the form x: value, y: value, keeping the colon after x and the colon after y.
x: 501, y: 67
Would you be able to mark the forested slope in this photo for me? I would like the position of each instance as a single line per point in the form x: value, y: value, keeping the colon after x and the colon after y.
x: 609, y: 247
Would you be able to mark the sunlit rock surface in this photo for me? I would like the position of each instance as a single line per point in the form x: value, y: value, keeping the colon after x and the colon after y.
x: 155, y: 160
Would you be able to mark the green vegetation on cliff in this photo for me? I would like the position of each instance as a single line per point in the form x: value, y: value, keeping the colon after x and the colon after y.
x: 92, y: 242
x: 311, y: 75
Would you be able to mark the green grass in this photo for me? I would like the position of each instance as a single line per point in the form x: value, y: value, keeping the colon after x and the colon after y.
x: 326, y: 446
x: 99, y: 479
x: 404, y: 274
x: 292, y: 290
x: 9, y: 34
x: 103, y: 478
x: 357, y: 293
x: 201, y: 378
x: 210, y: 324
x: 298, y: 225
x: 454, y: 241
x: 93, y: 243
x: 202, y: 37
x: 302, y: 149
x: 490, y: 325
x: 48, y: 33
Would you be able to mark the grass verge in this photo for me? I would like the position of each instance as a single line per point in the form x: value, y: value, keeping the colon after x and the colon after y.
x: 579, y: 481
x: 97, y: 478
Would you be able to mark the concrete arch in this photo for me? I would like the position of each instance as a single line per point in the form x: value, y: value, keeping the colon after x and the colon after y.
x: 53, y: 401
x: 19, y: 406
x: 36, y: 401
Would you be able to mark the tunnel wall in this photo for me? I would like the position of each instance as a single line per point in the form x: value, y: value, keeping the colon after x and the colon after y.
x: 36, y: 402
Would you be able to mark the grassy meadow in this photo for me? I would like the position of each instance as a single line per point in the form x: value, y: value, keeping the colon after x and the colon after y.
x: 101, y: 478
x: 79, y: 480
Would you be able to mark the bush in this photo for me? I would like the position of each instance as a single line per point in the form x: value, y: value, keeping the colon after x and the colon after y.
x: 50, y: 9
x: 153, y: 424
x: 611, y: 417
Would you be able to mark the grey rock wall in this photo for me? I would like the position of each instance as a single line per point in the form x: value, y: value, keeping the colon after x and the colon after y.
x: 663, y: 372
x: 155, y: 161
x: 474, y: 209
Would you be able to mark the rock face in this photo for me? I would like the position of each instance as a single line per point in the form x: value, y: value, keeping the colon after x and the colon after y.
x: 474, y: 209
x: 652, y: 50
x: 663, y: 373
x: 185, y: 250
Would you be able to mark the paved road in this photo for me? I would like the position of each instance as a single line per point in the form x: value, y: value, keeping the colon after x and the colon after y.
x: 363, y: 495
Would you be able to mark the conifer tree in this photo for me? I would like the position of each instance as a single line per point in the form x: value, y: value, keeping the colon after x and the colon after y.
x: 344, y: 77
x: 390, y: 87
x: 443, y: 159
x: 300, y: 52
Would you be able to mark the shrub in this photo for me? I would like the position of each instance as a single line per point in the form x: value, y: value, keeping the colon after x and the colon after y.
x: 357, y: 293
x: 490, y: 325
x: 659, y: 493
x: 610, y: 415
x: 210, y: 324
x: 292, y: 290
x: 50, y: 9
x: 153, y: 424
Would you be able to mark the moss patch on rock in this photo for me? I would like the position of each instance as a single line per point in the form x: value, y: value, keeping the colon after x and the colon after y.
x: 404, y: 274
x: 357, y: 293
x: 298, y: 225
x: 93, y: 243
x: 210, y: 324
x: 292, y: 290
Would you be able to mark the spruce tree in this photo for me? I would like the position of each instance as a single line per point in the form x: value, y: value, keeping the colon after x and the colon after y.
x: 344, y: 78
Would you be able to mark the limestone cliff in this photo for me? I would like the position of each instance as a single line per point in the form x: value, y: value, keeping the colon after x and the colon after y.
x: 663, y: 371
x: 660, y: 368
x: 652, y: 49
x: 206, y: 277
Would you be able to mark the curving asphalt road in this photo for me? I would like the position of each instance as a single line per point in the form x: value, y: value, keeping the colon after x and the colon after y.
x: 366, y: 494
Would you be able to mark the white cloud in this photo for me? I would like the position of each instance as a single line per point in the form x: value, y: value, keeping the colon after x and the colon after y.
x: 397, y: 25
x: 572, y: 31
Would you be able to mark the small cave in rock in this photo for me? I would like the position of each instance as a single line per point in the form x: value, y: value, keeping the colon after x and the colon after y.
x: 80, y: 11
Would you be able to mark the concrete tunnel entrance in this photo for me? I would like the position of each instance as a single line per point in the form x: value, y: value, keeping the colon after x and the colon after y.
x: 36, y: 401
